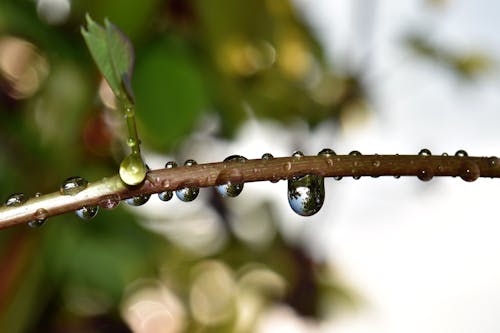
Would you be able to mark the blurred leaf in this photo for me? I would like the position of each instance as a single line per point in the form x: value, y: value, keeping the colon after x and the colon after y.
x: 170, y: 93
x: 112, y: 52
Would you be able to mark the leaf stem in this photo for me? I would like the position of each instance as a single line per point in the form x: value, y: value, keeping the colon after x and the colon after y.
x: 112, y: 190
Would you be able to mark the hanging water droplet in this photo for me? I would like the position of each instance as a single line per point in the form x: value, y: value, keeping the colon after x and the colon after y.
x: 461, y: 153
x: 110, y: 202
x: 87, y: 212
x: 425, y: 152
x: 15, y: 199
x: 327, y: 152
x: 425, y: 175
x: 298, y: 154
x: 337, y: 177
x: 355, y: 153
x: 267, y: 156
x: 493, y: 162
x: 132, y: 169
x: 306, y: 194
x: 397, y: 176
x: 165, y: 195
x: 232, y: 187
x: 73, y: 186
x: 470, y: 172
x: 138, y: 200
x: 188, y: 193
x: 356, y: 177
x: 40, y: 218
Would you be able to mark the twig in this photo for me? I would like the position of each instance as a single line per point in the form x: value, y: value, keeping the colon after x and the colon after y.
x: 108, y: 192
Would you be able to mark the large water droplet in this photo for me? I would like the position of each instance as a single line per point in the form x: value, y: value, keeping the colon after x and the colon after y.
x: 138, y: 200
x: 461, y: 153
x: 232, y: 188
x: 267, y: 156
x: 306, y: 194
x: 425, y: 175
x: 470, y: 172
x: 87, y: 212
x: 355, y: 153
x: 327, y: 152
x: 73, y: 186
x: 298, y: 154
x: 132, y: 169
x: 40, y: 218
x: 15, y: 199
x: 425, y: 152
x: 188, y: 193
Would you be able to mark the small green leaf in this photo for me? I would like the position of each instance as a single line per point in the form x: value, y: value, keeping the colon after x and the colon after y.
x: 113, y: 54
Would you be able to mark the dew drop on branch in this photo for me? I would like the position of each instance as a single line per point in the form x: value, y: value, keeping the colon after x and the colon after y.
x: 15, y: 199
x: 327, y: 152
x: 40, y: 217
x: 306, y: 194
x: 267, y: 156
x: 187, y: 194
x: 138, y: 200
x: 461, y: 153
x: 73, y: 186
x: 167, y: 195
x: 470, y: 172
x: 87, y: 212
x: 425, y: 152
x: 232, y: 186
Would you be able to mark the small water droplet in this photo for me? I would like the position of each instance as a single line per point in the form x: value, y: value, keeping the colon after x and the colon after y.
x: 267, y: 156
x: 356, y: 177
x: 138, y: 200
x: 376, y: 163
x: 165, y: 195
x: 132, y: 169
x: 40, y: 218
x: 444, y: 154
x: 275, y: 179
x: 397, y: 176
x: 73, y: 186
x: 87, y: 212
x: 297, y: 154
x: 470, y: 172
x: 15, y: 199
x: 306, y: 194
x: 190, y: 163
x: 425, y: 175
x: 170, y: 165
x: 425, y: 152
x: 355, y: 153
x: 461, y: 153
x: 287, y: 166
x: 493, y: 162
x: 188, y: 193
x: 110, y: 202
x: 337, y: 177
x: 327, y: 152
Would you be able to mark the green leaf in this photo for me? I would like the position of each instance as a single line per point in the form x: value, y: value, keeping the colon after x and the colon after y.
x: 113, y: 53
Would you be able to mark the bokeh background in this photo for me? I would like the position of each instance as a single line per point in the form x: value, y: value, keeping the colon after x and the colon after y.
x: 220, y: 77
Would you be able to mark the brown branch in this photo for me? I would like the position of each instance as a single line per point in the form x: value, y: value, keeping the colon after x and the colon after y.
x: 109, y: 191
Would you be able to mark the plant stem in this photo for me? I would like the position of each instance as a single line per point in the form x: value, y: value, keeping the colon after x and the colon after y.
x: 111, y: 190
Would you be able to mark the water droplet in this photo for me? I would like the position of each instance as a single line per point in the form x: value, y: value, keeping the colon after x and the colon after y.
x: 461, y: 153
x: 110, y: 202
x: 306, y: 194
x: 493, y: 162
x: 233, y: 186
x: 132, y: 169
x: 40, y: 218
x: 229, y: 189
x: 397, y: 176
x: 425, y: 152
x: 444, y: 154
x: 470, y: 172
x: 267, y: 156
x: 297, y: 154
x: 275, y: 179
x: 356, y: 177
x: 287, y: 166
x: 327, y: 152
x: 188, y: 193
x: 15, y: 199
x: 73, y: 185
x: 425, y: 175
x: 376, y: 163
x: 170, y: 165
x: 337, y: 177
x: 138, y: 200
x: 87, y: 212
x: 165, y: 195
x: 355, y: 153
x: 236, y: 159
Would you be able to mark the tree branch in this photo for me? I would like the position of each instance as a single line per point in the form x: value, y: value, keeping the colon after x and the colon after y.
x: 108, y: 192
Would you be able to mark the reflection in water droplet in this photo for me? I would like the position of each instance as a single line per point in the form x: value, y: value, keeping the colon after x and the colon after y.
x: 15, y: 199
x: 493, y: 162
x: 298, y: 154
x: 306, y: 194
x: 356, y: 177
x: 170, y: 165
x: 110, y: 202
x: 87, y: 212
x: 376, y: 163
x: 188, y: 193
x: 287, y: 166
x: 73, y: 185
x: 165, y: 195
x: 425, y: 175
x: 397, y: 176
x: 470, y: 172
x: 425, y: 152
x: 233, y: 187
x: 461, y: 153
x: 327, y: 152
x: 444, y: 154
x: 40, y: 218
x: 139, y: 200
x: 267, y: 156
x: 355, y: 153
x: 337, y: 177
x: 132, y: 169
